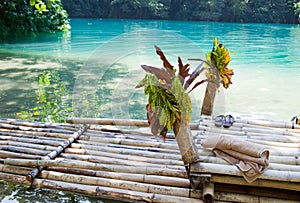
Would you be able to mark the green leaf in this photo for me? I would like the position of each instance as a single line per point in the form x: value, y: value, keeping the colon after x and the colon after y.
x: 55, y: 111
x: 36, y: 113
x: 32, y: 2
x: 47, y: 81
x: 142, y: 82
x: 43, y: 7
x: 49, y: 4
x: 37, y: 6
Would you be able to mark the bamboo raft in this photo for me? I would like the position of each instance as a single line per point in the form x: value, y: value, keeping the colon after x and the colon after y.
x: 99, y: 157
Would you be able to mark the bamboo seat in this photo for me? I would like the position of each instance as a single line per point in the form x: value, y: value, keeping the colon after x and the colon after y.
x: 128, y: 163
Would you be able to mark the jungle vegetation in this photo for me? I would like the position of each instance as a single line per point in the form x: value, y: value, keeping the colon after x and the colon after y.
x: 28, y: 17
x: 21, y: 17
x: 254, y: 11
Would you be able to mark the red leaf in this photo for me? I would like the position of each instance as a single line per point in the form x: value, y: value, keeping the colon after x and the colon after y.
x: 199, y: 83
x: 166, y: 63
x: 194, y: 75
x: 183, y: 70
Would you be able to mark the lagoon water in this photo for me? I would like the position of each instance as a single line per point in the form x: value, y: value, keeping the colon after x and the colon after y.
x: 103, y: 57
x: 266, y: 64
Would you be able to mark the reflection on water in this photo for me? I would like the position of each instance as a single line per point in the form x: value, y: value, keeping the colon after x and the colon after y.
x: 20, y: 194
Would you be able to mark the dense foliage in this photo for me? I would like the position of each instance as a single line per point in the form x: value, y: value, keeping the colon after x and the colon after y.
x: 275, y: 11
x: 167, y: 88
x: 21, y: 17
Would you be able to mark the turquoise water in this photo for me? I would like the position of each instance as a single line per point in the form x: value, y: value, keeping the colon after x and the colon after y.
x: 104, y: 56
x: 265, y: 61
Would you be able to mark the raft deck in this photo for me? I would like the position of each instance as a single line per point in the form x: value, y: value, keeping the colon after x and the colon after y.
x: 100, y: 157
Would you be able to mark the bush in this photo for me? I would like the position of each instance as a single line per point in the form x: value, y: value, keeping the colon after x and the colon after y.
x: 23, y: 17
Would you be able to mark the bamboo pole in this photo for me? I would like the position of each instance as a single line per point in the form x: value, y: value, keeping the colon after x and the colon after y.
x: 294, y: 146
x: 28, y: 128
x: 274, y: 164
x: 253, y: 132
x: 270, y: 123
x: 209, y: 98
x: 235, y: 197
x: 208, y: 192
x: 124, y: 156
x: 27, y: 145
x: 121, y: 141
x: 139, y: 137
x: 252, y: 129
x: 186, y: 144
x: 114, y: 122
x: 132, y: 145
x: 274, y: 124
x: 108, y: 160
x: 291, y: 176
x: 273, y: 193
x: 24, y: 150
x: 141, y: 152
x: 182, y: 182
x: 36, y: 124
x: 255, y: 122
x: 253, y: 136
x: 15, y: 135
x: 14, y: 169
x: 39, y: 134
x: 120, y: 184
x: 234, y: 180
x: 259, y: 191
x: 99, y: 191
x: 30, y: 140
x: 162, y: 171
x: 55, y: 153
x: 6, y: 154
x: 99, y: 121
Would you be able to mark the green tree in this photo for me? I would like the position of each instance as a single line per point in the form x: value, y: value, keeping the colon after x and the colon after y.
x: 233, y: 11
x: 274, y: 11
x: 141, y: 9
x: 87, y: 8
x: 297, y: 9
x: 21, y: 17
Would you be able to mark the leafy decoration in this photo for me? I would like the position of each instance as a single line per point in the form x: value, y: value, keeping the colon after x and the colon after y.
x: 219, y: 59
x: 168, y: 99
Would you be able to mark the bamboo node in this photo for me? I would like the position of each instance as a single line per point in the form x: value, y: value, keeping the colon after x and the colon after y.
x: 198, y: 181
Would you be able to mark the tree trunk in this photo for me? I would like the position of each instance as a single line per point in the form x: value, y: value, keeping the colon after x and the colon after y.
x: 209, y: 98
x: 186, y: 144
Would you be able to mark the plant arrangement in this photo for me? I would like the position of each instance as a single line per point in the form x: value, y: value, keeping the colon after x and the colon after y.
x: 167, y: 88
